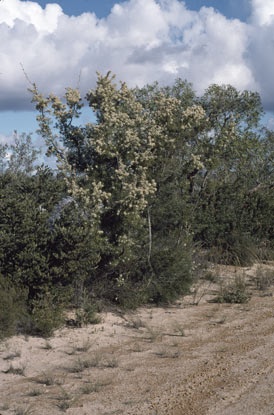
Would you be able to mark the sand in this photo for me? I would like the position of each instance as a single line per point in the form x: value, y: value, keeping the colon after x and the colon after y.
x: 195, y: 357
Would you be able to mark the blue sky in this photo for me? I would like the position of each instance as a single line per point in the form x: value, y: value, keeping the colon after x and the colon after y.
x: 205, y: 42
x: 230, y: 8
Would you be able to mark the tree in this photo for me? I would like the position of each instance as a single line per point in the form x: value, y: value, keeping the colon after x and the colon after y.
x: 23, y: 257
x: 3, y: 157
x: 115, y: 170
x: 159, y: 168
x: 19, y: 156
x: 105, y: 165
x: 234, y: 153
x: 175, y: 159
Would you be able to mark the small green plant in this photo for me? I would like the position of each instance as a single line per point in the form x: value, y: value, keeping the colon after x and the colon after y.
x: 199, y: 291
x: 95, y: 360
x: 34, y: 392
x: 4, y: 407
x: 47, y: 345
x: 85, y: 346
x: 209, y: 276
x: 234, y: 293
x: 135, y: 323
x: 87, y: 313
x: 46, y: 379
x: 178, y: 328
x: 81, y: 365
x: 264, y: 278
x: 16, y: 370
x: 63, y: 400
x: 12, y: 355
x: 129, y: 403
x: 63, y: 405
x: 153, y: 334
x: 111, y: 362
x: 78, y: 367
x: 89, y: 388
x: 72, y: 351
x: 93, y: 387
x: 221, y: 320
x: 23, y: 411
x: 164, y: 353
x: 136, y: 348
x: 129, y: 369
x: 64, y: 396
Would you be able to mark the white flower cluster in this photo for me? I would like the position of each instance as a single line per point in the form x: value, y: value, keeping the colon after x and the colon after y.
x: 124, y: 143
x: 193, y: 116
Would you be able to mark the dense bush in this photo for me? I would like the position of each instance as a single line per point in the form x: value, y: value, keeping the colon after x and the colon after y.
x: 13, y: 308
x: 23, y: 256
x: 160, y: 171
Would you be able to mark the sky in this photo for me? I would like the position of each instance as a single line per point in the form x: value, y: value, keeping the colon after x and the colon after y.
x: 141, y: 41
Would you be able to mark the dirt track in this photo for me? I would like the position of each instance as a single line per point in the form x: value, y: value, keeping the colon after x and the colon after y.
x: 140, y: 363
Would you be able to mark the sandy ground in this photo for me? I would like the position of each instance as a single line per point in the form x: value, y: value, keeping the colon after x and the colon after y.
x: 180, y: 360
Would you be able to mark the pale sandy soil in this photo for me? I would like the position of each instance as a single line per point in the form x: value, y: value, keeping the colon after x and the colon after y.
x: 140, y: 363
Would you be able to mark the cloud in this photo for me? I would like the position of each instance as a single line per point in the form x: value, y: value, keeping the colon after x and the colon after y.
x: 31, y: 13
x: 270, y: 123
x: 263, y: 12
x: 140, y: 40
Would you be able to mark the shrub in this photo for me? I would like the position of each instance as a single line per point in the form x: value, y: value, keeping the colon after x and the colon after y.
x: 172, y: 275
x: 12, y: 307
x: 233, y: 249
x: 234, y: 293
x: 47, y: 315
x: 86, y: 313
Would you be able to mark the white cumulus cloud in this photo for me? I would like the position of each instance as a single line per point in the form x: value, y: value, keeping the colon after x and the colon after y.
x: 263, y: 12
x: 30, y: 13
x: 140, y: 40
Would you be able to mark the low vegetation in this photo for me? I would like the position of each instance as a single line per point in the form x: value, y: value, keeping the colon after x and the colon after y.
x: 235, y: 292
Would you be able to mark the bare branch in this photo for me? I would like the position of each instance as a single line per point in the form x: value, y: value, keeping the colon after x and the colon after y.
x: 26, y: 75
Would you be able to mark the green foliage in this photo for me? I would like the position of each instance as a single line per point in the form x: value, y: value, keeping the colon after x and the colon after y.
x: 24, y: 234
x: 234, y: 293
x: 3, y: 157
x: 172, y: 275
x: 86, y: 312
x: 233, y: 200
x: 119, y: 181
x: 264, y: 278
x: 47, y: 314
x: 159, y: 172
x: 12, y: 307
x: 24, y: 252
x: 74, y: 252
